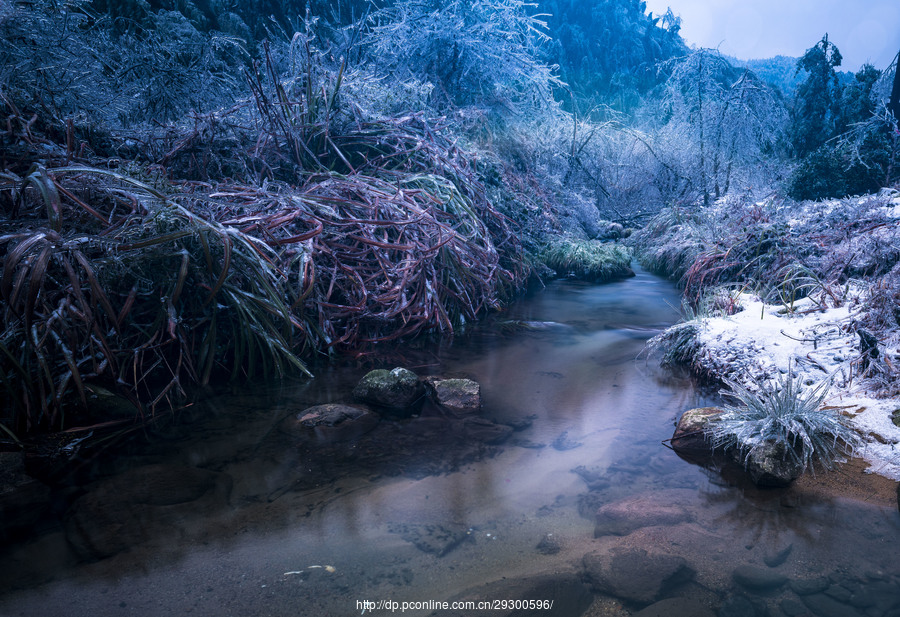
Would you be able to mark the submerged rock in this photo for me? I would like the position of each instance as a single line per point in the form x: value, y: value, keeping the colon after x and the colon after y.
x: 330, y: 423
x: 434, y: 538
x: 771, y: 465
x: 22, y: 500
x: 822, y: 605
x: 635, y: 575
x: 140, y: 505
x: 484, y: 430
x: 549, y: 545
x: 563, y: 442
x: 738, y: 605
x: 458, y: 396
x: 759, y: 580
x: 397, y: 390
x: 622, y: 517
x: 775, y: 558
x: 676, y: 607
x: 564, y: 593
x: 689, y: 437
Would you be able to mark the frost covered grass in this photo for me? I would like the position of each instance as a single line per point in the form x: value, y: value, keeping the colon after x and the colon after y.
x: 784, y: 251
x: 148, y: 286
x: 588, y: 260
x: 783, y: 412
x: 759, y: 345
x: 678, y: 345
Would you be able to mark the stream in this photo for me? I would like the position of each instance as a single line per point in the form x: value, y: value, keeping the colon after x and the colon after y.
x: 242, y: 520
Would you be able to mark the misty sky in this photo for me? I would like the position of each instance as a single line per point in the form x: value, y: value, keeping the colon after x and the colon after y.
x: 863, y: 30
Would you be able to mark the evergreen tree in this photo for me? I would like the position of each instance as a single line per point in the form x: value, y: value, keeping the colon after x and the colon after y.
x: 857, y: 103
x: 816, y: 101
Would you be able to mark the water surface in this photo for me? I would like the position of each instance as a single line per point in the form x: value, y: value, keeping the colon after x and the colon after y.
x: 409, y: 514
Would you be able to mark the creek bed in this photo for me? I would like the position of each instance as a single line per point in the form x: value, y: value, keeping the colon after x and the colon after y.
x: 244, y: 520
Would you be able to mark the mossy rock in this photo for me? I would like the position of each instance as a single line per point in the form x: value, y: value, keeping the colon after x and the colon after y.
x: 458, y: 396
x: 895, y: 417
x: 397, y: 391
x: 770, y: 465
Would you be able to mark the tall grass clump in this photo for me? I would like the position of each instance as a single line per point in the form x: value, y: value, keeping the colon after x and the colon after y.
x: 336, y: 236
x: 588, y: 260
x: 783, y: 251
x: 678, y: 345
x: 671, y: 241
x: 132, y: 290
x: 784, y: 412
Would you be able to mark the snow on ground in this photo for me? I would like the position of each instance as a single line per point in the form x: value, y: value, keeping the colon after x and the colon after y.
x: 814, y: 344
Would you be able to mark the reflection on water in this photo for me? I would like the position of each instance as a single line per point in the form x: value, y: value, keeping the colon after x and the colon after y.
x: 415, y: 511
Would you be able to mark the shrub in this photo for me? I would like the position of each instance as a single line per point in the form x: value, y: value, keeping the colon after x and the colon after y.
x: 589, y: 260
x: 784, y: 413
x: 841, y: 171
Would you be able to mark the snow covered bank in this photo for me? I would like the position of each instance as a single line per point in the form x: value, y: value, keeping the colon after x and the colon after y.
x: 809, y: 288
x: 815, y: 344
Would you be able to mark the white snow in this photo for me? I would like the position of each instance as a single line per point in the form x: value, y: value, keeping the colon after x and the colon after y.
x: 815, y: 345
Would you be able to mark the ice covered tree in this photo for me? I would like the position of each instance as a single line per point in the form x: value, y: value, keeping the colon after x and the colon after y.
x: 726, y: 120
x: 480, y: 53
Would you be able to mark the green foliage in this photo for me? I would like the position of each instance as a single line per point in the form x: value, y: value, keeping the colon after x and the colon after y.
x: 784, y: 412
x: 857, y: 158
x: 608, y: 50
x: 857, y: 100
x: 588, y: 260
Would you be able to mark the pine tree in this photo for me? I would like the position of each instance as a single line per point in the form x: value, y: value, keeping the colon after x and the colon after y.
x: 818, y: 96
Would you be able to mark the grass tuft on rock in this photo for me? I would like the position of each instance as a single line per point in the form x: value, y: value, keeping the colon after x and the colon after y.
x: 783, y: 412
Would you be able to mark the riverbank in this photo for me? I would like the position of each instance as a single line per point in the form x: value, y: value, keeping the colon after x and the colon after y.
x: 808, y: 290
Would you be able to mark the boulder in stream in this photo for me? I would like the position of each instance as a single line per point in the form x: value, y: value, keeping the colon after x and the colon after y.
x: 458, y: 396
x: 689, y: 437
x: 636, y: 575
x: 398, y: 391
x: 622, y: 517
x: 770, y: 464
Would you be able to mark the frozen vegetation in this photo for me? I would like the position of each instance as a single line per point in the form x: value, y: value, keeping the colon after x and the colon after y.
x: 808, y: 291
x: 197, y: 191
